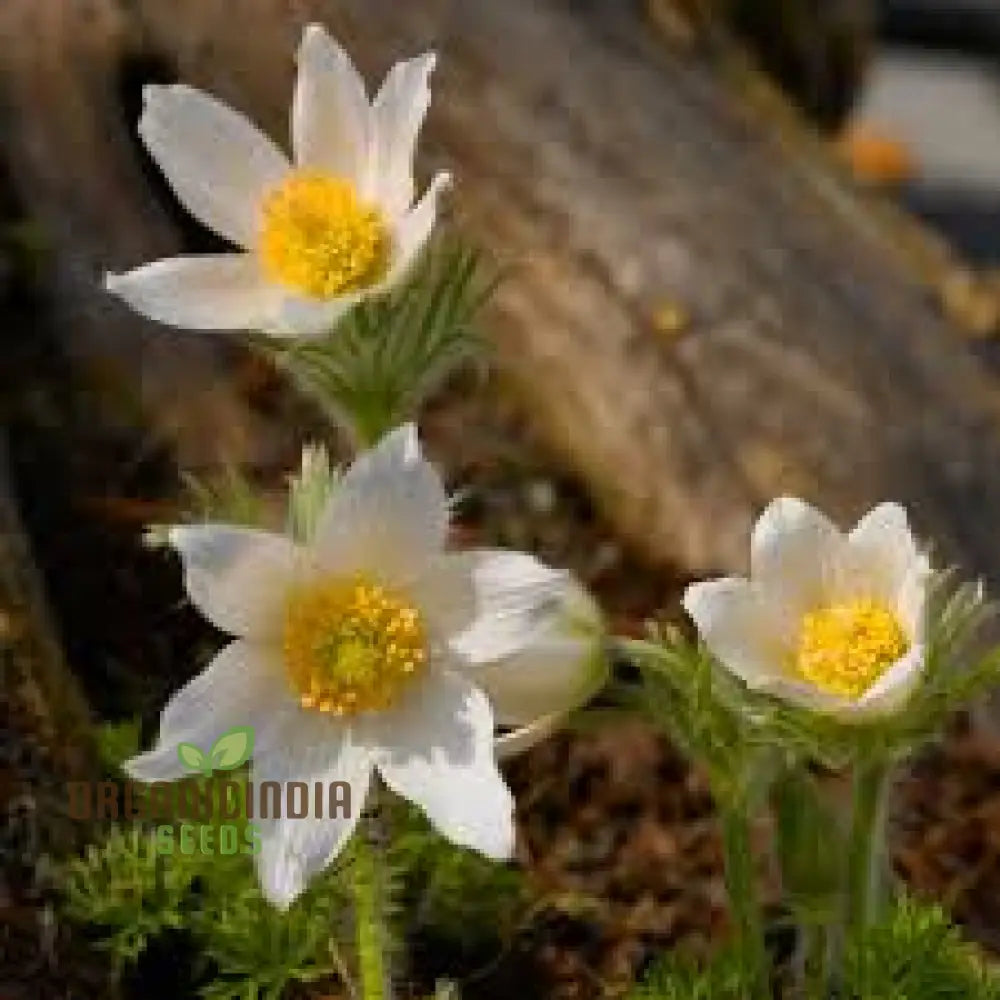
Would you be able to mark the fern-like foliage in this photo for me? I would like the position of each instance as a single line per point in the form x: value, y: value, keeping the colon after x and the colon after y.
x: 460, y: 896
x: 126, y: 897
x: 255, y: 951
x: 680, y: 977
x: 376, y: 367
x: 123, y: 890
x: 916, y: 953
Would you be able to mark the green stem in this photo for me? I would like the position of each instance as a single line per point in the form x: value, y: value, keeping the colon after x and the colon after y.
x: 742, y: 889
x: 366, y: 426
x: 866, y: 882
x: 370, y: 919
x: 809, y: 872
x: 816, y: 956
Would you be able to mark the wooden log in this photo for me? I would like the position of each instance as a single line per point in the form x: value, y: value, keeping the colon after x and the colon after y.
x: 46, y: 741
x: 704, y: 312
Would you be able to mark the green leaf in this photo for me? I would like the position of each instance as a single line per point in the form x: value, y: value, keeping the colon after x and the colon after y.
x: 232, y: 748
x: 191, y: 756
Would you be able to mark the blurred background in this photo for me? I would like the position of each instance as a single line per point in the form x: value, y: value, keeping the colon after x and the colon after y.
x: 932, y: 82
x: 751, y: 249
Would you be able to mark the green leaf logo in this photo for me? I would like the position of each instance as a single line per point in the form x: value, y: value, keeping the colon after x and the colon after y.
x: 191, y: 757
x: 232, y: 749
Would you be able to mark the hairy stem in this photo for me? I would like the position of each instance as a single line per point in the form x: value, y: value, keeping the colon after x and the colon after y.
x: 370, y: 918
x: 809, y: 871
x: 743, y: 900
x: 866, y: 881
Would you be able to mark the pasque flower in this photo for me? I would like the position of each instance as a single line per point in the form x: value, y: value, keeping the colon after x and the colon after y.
x: 371, y: 647
x: 315, y: 235
x: 828, y: 620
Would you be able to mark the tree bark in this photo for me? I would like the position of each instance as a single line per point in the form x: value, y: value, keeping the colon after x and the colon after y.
x: 46, y: 740
x: 703, y: 312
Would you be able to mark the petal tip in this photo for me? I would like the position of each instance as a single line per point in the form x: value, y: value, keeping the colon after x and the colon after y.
x: 282, y: 901
x: 175, y: 537
x: 312, y: 34
x: 129, y: 768
x: 695, y: 596
x: 154, y: 95
x: 150, y: 92
x: 506, y: 851
x: 138, y: 768
x: 314, y: 30
x: 785, y: 505
x: 318, y: 43
x: 280, y: 897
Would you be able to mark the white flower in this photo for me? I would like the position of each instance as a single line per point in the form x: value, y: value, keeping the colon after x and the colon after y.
x: 315, y: 236
x: 827, y: 620
x: 373, y: 648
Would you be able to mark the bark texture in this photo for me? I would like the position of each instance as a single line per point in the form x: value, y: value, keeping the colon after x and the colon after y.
x: 45, y: 741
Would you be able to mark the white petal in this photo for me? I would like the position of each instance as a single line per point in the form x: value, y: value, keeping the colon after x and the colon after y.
x: 297, y: 316
x: 398, y: 113
x: 795, y: 553
x: 238, y: 578
x: 881, y: 553
x: 742, y: 628
x: 553, y: 676
x: 218, y: 162
x: 412, y: 233
x: 524, y: 633
x: 805, y: 695
x: 890, y: 692
x: 331, y: 117
x: 388, y: 515
x: 445, y: 595
x: 210, y: 292
x: 309, y: 747
x: 244, y: 685
x: 911, y: 601
x: 516, y: 599
x: 437, y: 751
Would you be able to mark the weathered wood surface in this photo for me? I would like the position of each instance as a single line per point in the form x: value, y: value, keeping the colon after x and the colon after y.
x: 619, y: 176
x: 46, y: 740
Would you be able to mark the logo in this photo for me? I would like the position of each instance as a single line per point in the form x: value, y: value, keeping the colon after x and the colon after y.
x: 230, y: 751
x: 204, y: 813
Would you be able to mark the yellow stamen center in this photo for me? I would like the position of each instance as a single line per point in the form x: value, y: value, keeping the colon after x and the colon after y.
x: 318, y: 238
x: 845, y: 648
x: 351, y: 645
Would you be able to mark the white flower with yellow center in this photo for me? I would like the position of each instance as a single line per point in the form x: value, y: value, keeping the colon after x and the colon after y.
x: 315, y: 235
x: 373, y: 648
x: 830, y: 621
